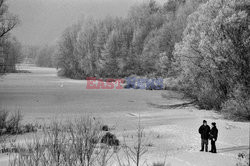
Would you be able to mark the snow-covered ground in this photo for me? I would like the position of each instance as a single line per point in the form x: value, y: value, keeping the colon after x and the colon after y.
x: 172, y: 133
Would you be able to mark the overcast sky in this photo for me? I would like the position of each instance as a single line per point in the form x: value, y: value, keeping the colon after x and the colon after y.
x: 43, y: 21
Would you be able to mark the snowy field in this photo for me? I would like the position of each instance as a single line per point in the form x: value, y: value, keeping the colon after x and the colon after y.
x: 173, y: 133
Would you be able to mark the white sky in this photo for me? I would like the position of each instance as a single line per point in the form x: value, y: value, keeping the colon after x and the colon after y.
x: 43, y: 21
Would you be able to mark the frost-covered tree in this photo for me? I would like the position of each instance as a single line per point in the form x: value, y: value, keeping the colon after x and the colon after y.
x: 214, y: 53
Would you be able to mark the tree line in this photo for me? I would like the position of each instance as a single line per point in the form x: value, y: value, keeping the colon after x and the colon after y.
x: 41, y: 56
x: 141, y: 43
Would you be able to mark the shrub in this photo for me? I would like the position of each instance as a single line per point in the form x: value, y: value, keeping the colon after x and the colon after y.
x: 238, y: 106
x: 243, y: 159
x: 29, y: 128
x: 14, y: 123
x: 3, y: 119
x: 11, y: 124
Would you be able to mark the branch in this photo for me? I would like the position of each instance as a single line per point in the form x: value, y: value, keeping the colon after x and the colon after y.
x: 5, y: 30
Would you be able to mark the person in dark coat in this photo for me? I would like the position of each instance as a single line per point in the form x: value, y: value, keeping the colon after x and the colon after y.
x: 213, y: 137
x: 204, y: 132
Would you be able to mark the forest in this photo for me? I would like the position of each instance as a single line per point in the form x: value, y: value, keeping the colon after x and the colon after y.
x: 202, y: 45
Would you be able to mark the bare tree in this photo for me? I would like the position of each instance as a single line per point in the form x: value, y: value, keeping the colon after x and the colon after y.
x: 8, y: 21
x: 133, y: 154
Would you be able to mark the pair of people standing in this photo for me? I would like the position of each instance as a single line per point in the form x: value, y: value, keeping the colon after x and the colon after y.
x: 207, y: 133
